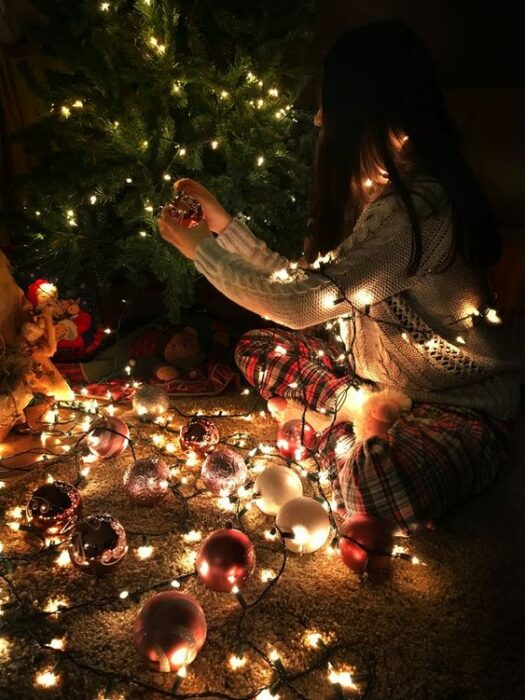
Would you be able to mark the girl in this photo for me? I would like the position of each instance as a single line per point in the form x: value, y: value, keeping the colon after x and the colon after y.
x: 401, y: 238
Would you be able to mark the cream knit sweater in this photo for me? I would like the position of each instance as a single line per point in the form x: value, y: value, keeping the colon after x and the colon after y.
x: 405, y: 329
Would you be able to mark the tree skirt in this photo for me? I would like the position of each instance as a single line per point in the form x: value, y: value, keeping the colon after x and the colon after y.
x: 445, y: 630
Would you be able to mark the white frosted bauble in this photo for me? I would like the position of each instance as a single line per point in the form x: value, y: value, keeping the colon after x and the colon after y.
x: 309, y: 522
x: 276, y: 486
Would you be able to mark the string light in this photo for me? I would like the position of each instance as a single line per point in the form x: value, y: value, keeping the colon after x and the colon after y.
x: 182, y: 152
x: 65, y: 111
x: 4, y: 647
x: 123, y: 595
x: 78, y: 104
x: 93, y: 199
x: 492, y: 316
x: 193, y: 536
x: 46, y: 679
x: 58, y: 643
x: 260, y: 160
x: 236, y: 661
x: 224, y: 94
x: 214, y: 144
x: 104, y: 6
x: 63, y: 559
x: 342, y: 678
x: 53, y: 605
x: 274, y: 92
x: 144, y: 552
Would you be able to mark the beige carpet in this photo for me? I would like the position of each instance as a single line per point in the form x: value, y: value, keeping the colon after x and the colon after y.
x: 450, y: 630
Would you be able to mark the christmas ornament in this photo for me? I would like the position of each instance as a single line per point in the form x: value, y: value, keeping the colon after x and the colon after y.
x: 54, y: 509
x: 170, y: 630
x: 226, y: 560
x: 150, y: 401
x: 146, y: 481
x: 97, y: 544
x: 185, y: 209
x: 275, y: 486
x: 371, y: 546
x: 108, y: 437
x: 224, y: 472
x: 296, y: 440
x: 200, y: 435
x: 307, y: 520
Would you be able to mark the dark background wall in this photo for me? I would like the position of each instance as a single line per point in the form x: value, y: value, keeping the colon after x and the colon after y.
x: 473, y: 43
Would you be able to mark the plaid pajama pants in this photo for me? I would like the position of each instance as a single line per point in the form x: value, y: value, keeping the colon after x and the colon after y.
x: 431, y: 459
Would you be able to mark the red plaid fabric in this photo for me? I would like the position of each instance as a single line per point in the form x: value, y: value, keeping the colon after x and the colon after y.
x: 283, y: 363
x: 432, y: 458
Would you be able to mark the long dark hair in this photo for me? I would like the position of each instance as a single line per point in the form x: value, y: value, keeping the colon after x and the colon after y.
x: 379, y: 87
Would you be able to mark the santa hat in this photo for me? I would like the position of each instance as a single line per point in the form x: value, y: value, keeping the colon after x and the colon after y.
x: 32, y: 290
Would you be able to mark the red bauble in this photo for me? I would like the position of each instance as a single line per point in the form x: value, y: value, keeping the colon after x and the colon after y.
x: 199, y: 435
x: 170, y: 630
x: 97, y: 544
x: 185, y: 209
x: 373, y: 534
x: 54, y: 509
x: 296, y: 439
x: 224, y: 472
x: 108, y: 437
x: 226, y: 559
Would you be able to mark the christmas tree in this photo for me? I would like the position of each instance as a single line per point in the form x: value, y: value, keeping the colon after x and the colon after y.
x: 140, y: 93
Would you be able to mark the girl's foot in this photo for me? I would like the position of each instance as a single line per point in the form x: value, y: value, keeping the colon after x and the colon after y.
x: 284, y: 410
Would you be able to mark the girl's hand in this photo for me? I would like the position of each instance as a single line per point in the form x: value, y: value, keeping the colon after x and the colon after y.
x: 184, y: 239
x: 214, y: 214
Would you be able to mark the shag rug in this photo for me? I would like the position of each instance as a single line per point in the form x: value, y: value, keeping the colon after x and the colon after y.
x: 449, y: 630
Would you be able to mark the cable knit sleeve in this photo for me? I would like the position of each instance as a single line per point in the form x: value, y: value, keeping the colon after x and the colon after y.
x: 237, y: 238
x: 368, y: 267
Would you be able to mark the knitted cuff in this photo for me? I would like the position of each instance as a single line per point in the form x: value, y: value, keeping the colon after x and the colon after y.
x: 237, y: 238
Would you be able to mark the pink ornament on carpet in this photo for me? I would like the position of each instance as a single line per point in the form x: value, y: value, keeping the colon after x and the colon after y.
x: 170, y: 630
x: 54, y: 509
x: 296, y: 440
x: 224, y: 472
x: 226, y: 560
x: 369, y: 546
x: 108, y: 437
x: 146, y: 481
x: 199, y: 435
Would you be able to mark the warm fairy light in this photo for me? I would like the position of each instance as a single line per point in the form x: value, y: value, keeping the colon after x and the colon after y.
x: 274, y: 654
x: 104, y: 6
x: 63, y: 559
x: 175, y: 583
x: 460, y: 339
x: 214, y: 144
x: 405, y: 337
x: 54, y: 604
x: 342, y: 678
x: 270, y: 535
x: 313, y: 639
x: 158, y: 439
x: 78, y: 104
x: 492, y: 316
x: 58, y: 643
x: 145, y: 551
x: 149, y: 208
x: 224, y: 94
x: 432, y: 343
x: 176, y: 88
x: 123, y: 595
x: 265, y: 449
x: 260, y: 160
x: 15, y: 513
x: 166, y: 177
x: 193, y: 536
x: 93, y: 199
x: 46, y: 679
x: 192, y: 459
x: 237, y: 661
x: 182, y: 151
x: 170, y: 448
x: 280, y: 350
x: 280, y: 275
x: 397, y: 550
x: 4, y: 647
x: 226, y: 504
x: 1, y: 547
x: 182, y: 672
x: 368, y: 183
x: 267, y: 575
x: 363, y: 297
x: 267, y: 695
x: 65, y: 111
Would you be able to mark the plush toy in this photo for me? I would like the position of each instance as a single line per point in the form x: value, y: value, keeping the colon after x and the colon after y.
x: 76, y: 333
x: 182, y: 353
x: 378, y: 412
x: 39, y: 342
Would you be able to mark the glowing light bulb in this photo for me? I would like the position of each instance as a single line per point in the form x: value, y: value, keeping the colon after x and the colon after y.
x: 129, y: 180
x: 142, y: 234
x: 313, y: 639
x: 144, y: 552
x: 63, y: 559
x: 123, y: 595
x: 78, y: 104
x: 368, y: 183
x: 214, y: 144
x: 193, y: 536
x: 65, y: 111
x: 260, y: 160
x: 46, y: 679
x: 267, y: 575
x: 58, y: 643
x: 224, y: 94
x: 280, y: 350
x: 182, y: 152
x: 274, y: 92
x: 492, y: 316
x: 93, y: 199
x: 237, y: 661
x: 460, y: 339
x: 166, y: 177
x: 4, y: 647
